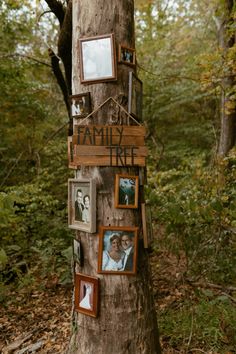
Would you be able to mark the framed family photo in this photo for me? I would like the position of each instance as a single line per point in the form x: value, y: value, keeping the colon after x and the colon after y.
x: 135, y: 98
x: 97, y: 59
x: 126, y: 55
x: 126, y: 191
x: 118, y: 250
x: 82, y: 204
x: 80, y: 105
x: 86, y: 294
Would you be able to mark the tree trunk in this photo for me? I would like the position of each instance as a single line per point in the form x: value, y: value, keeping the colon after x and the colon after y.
x: 126, y: 323
x: 227, y: 104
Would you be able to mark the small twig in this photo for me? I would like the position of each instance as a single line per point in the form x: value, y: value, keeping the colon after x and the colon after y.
x: 25, y: 56
x: 31, y: 348
x: 16, y: 344
x: 213, y: 286
x: 51, y: 137
x: 11, y: 169
x: 161, y: 78
x: 191, y: 332
x: 230, y: 297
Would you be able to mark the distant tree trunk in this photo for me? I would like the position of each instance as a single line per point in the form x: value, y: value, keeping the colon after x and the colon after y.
x: 227, y: 105
x: 127, y: 320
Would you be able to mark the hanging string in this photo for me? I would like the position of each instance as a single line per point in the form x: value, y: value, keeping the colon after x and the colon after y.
x: 102, y: 104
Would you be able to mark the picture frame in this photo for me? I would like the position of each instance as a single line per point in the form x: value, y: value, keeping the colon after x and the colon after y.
x: 135, y: 96
x: 82, y: 204
x: 80, y: 105
x: 78, y: 252
x: 97, y: 59
x: 126, y: 55
x: 86, y: 294
x: 117, y: 252
x: 126, y: 191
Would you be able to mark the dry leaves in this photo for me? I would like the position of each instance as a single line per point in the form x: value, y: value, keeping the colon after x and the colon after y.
x: 39, y: 324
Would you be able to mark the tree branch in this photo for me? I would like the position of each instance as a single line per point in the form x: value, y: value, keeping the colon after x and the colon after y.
x: 60, y: 78
x: 65, y: 44
x: 58, y: 9
x: 25, y: 56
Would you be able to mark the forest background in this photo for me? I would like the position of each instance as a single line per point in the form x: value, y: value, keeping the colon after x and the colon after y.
x: 190, y: 190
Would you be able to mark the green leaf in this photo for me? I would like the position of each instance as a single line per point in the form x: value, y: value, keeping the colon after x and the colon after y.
x: 3, y: 259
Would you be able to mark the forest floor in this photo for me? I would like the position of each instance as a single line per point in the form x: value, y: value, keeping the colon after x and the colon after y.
x: 40, y: 321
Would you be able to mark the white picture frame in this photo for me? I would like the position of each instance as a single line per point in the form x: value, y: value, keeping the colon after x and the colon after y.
x: 82, y: 204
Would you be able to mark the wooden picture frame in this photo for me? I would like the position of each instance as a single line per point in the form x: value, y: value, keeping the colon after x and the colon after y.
x: 78, y: 252
x: 126, y: 191
x: 86, y: 294
x: 80, y: 105
x: 118, y: 250
x: 97, y: 59
x: 82, y: 204
x: 135, y: 97
x: 126, y: 55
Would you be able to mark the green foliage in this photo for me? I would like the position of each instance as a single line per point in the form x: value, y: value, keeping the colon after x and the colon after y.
x: 33, y: 166
x: 34, y: 231
x: 210, y: 321
x: 197, y: 205
x: 192, y: 195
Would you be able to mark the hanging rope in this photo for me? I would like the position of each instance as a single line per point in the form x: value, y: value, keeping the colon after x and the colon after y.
x: 101, y: 105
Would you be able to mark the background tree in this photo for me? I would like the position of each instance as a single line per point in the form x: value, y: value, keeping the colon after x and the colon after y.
x: 225, y: 22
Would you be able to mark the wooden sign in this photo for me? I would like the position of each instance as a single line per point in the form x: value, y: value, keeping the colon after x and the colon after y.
x: 102, y: 145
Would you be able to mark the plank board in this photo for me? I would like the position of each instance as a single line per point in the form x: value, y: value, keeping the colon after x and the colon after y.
x: 104, y: 135
x: 102, y: 145
x: 126, y: 140
x: 107, y: 161
x: 137, y: 130
x: 82, y: 150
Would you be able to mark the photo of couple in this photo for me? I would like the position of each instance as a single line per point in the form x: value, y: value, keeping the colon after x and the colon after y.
x: 80, y: 105
x: 118, y: 253
x: 82, y: 206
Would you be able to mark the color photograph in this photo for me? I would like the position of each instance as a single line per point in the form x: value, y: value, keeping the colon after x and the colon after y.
x: 86, y: 294
x: 126, y: 191
x: 117, y: 250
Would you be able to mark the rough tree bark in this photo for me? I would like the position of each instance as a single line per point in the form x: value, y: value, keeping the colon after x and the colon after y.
x: 127, y: 320
x: 226, y: 40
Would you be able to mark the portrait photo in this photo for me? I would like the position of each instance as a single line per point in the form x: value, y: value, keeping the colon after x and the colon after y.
x: 97, y: 59
x: 135, y: 97
x: 86, y: 294
x: 82, y: 204
x: 80, y: 105
x: 117, y: 250
x: 126, y: 191
x: 126, y: 55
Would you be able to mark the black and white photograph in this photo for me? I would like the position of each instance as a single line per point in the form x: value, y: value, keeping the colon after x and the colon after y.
x: 80, y: 105
x: 82, y: 204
